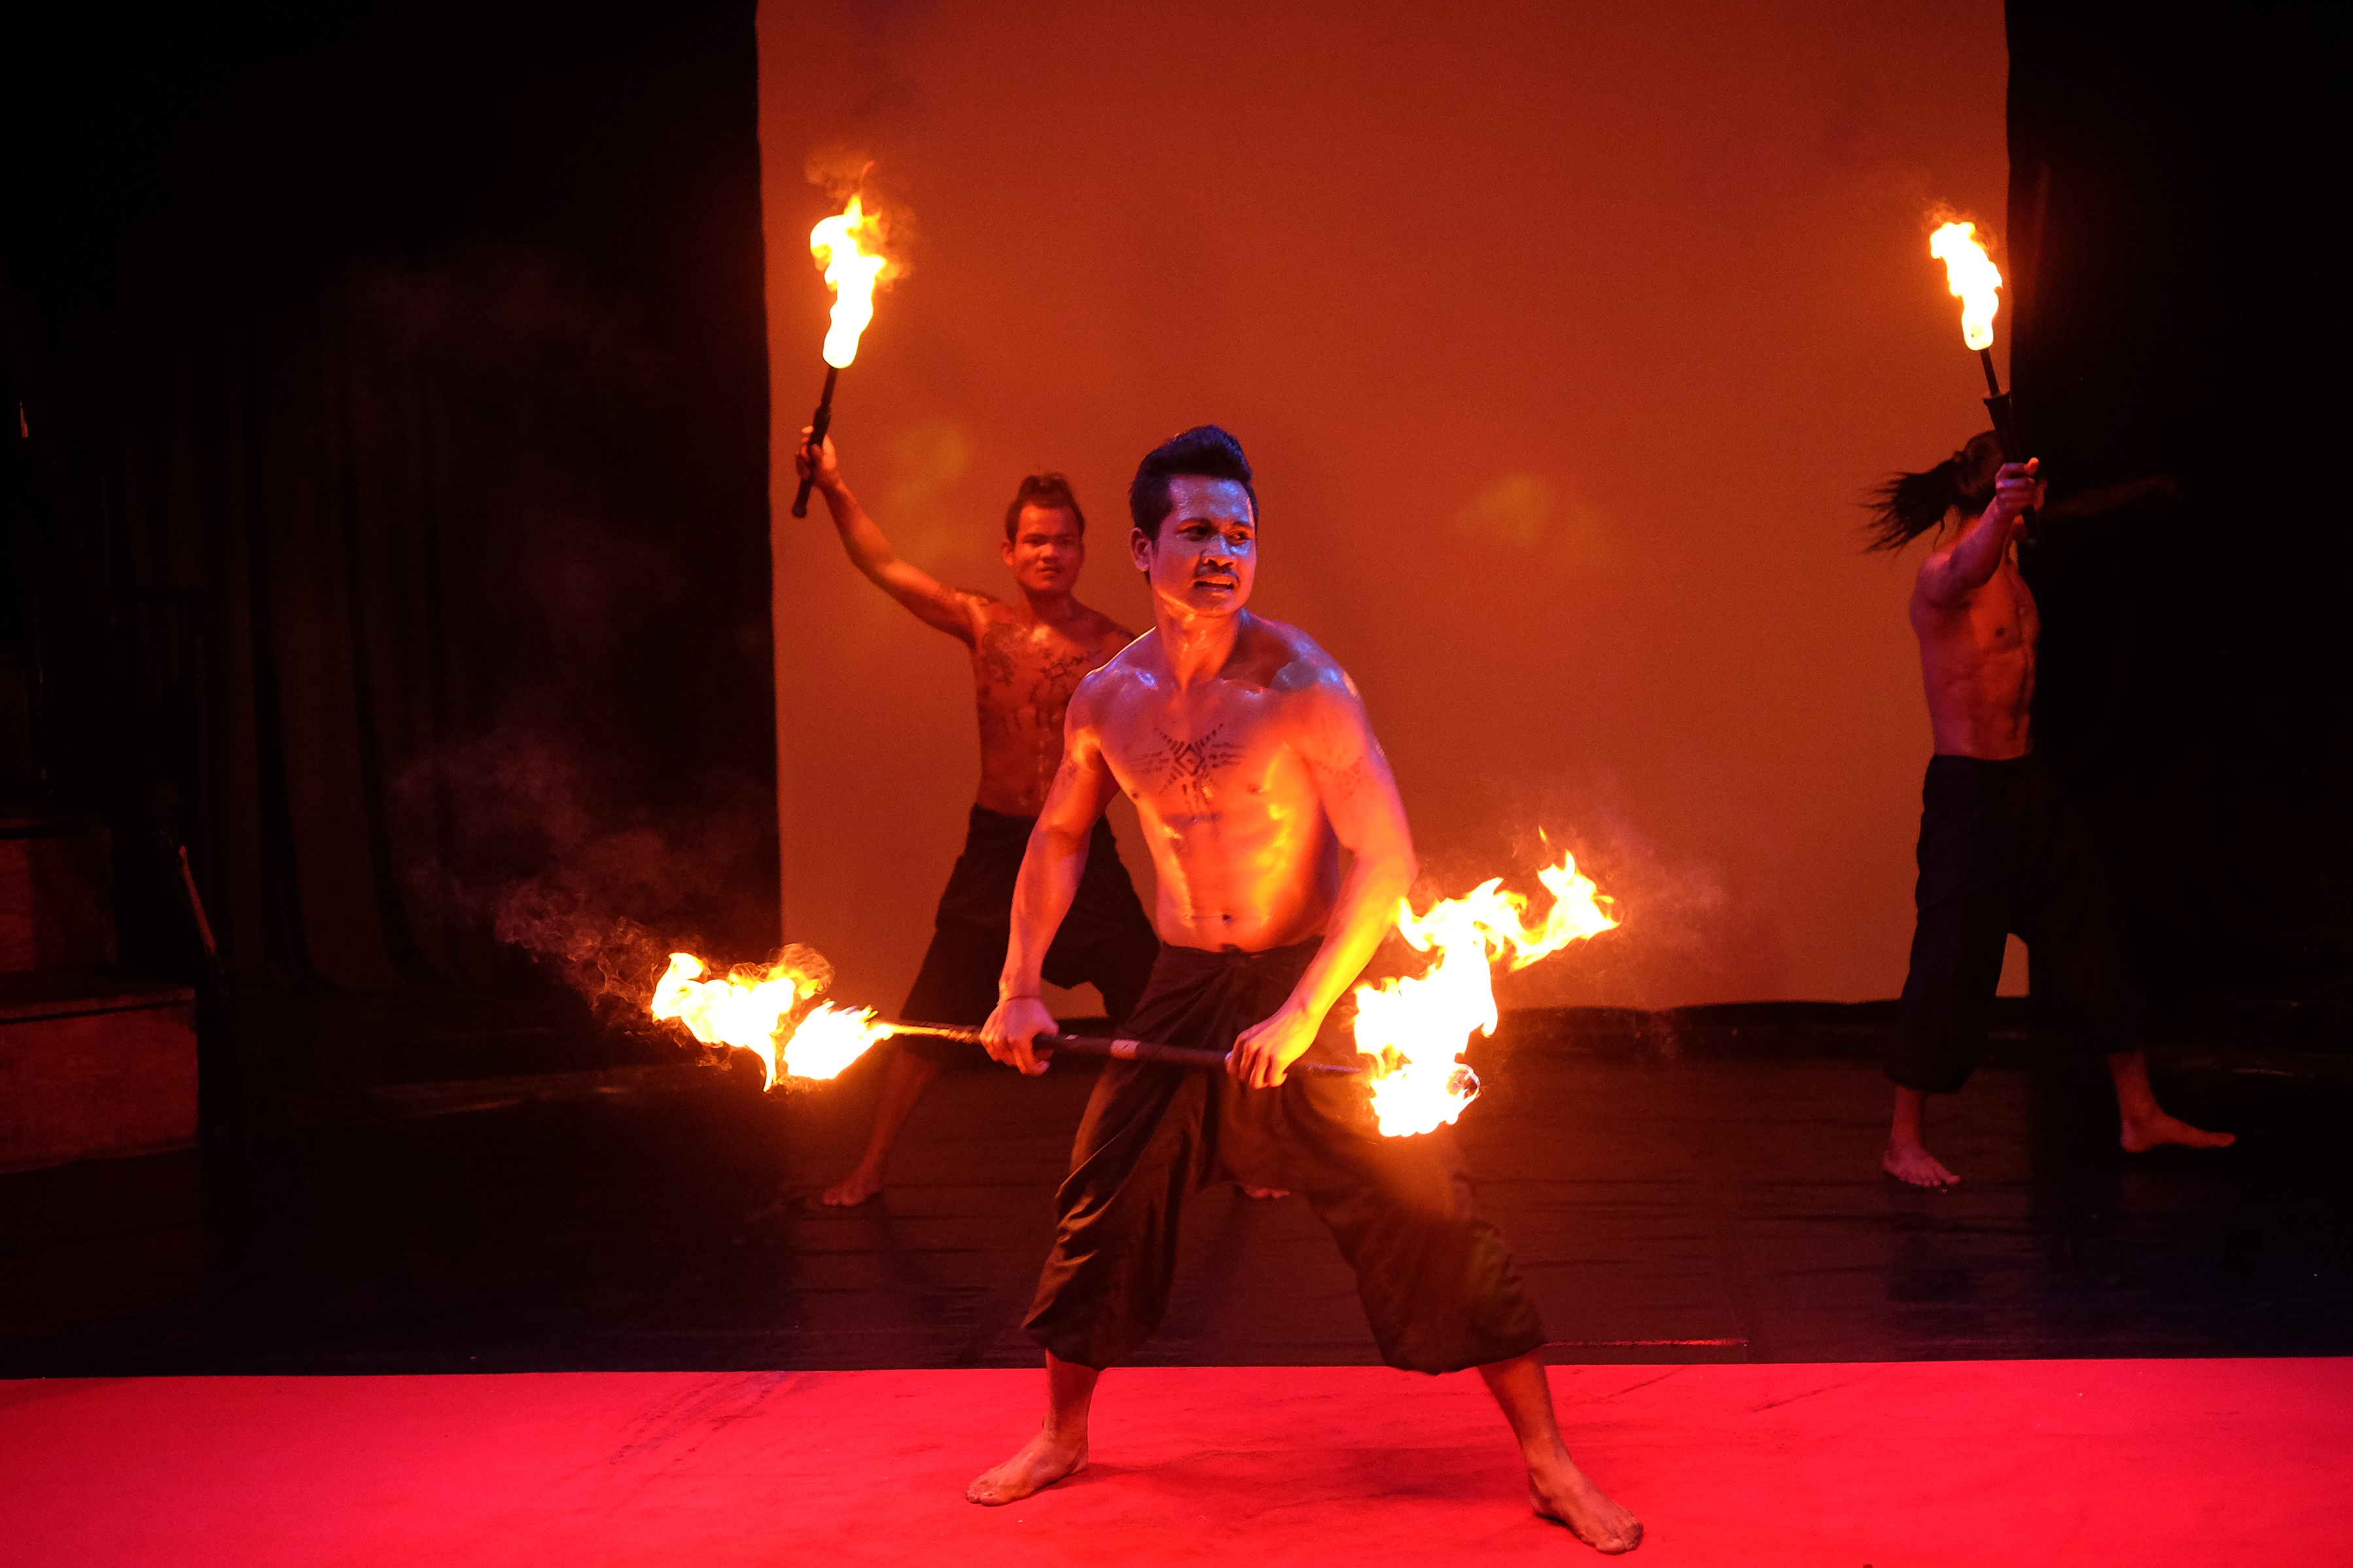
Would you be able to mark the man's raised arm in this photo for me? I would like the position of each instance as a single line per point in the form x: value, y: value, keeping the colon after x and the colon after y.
x: 933, y: 602
x: 1360, y: 797
x: 1050, y: 870
x: 1951, y: 574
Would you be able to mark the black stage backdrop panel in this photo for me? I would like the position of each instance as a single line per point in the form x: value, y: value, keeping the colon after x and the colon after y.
x: 396, y: 381
x: 2176, y: 314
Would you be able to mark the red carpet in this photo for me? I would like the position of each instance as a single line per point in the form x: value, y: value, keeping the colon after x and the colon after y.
x: 1894, y: 1465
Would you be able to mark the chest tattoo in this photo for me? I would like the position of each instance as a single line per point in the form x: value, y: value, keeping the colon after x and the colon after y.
x: 1190, y: 767
x: 1057, y: 677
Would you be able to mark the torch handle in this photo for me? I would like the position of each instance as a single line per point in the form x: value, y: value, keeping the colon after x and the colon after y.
x: 2005, y: 416
x: 2006, y: 431
x: 2005, y: 428
x: 1124, y: 1050
x: 820, y: 422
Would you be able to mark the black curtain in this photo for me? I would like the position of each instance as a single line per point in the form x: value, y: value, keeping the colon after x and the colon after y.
x: 392, y: 479
x: 2179, y: 312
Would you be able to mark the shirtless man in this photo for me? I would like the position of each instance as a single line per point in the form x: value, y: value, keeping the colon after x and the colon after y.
x: 1252, y: 763
x: 1027, y: 658
x: 2001, y: 848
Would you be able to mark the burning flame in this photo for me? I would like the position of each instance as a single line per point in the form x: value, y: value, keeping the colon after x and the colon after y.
x: 849, y: 244
x: 829, y: 1040
x: 1971, y: 276
x: 1423, y: 1023
x: 749, y: 1007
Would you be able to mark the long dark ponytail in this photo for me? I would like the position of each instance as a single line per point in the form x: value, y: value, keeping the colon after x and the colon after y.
x: 1909, y: 505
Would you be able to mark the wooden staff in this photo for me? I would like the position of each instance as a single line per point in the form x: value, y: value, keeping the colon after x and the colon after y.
x: 1125, y: 1050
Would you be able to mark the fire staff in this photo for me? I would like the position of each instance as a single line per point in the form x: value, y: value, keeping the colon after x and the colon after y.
x: 1027, y: 656
x: 2002, y: 848
x: 1251, y: 761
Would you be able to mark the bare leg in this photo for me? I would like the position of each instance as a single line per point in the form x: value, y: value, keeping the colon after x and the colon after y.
x: 903, y: 1082
x: 1557, y: 1489
x: 1058, y: 1449
x: 2144, y: 1122
x: 1908, y: 1159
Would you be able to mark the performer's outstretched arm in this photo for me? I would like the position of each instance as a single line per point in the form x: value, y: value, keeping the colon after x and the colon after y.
x: 933, y: 602
x: 1360, y: 797
x: 1050, y: 870
x: 1951, y: 574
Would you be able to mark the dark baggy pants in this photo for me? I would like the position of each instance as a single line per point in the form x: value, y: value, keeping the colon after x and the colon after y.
x: 2003, y: 849
x: 1434, y: 1276
x: 1106, y: 940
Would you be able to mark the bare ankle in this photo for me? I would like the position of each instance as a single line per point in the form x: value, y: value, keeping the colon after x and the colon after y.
x: 1548, y: 1467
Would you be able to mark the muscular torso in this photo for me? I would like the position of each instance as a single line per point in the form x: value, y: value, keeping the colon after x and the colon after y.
x: 1023, y: 673
x: 1977, y: 661
x: 1246, y: 856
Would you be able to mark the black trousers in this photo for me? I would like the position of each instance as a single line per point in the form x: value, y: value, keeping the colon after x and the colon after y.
x: 2003, y: 849
x: 1106, y: 940
x: 1435, y: 1280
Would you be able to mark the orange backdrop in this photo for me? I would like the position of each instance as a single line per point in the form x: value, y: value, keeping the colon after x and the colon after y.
x: 1564, y: 340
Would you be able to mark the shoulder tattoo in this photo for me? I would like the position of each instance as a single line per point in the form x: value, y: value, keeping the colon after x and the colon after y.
x: 996, y: 650
x: 1341, y: 783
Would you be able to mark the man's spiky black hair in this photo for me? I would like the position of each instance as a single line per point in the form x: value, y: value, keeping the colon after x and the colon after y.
x: 1205, y: 452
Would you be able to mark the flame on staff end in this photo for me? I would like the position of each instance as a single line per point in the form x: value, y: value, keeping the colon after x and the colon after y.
x: 750, y: 1005
x: 829, y: 1039
x: 849, y: 247
x: 1423, y: 1023
x: 1972, y: 276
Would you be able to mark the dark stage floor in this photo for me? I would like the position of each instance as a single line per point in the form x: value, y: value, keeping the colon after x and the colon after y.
x: 1676, y: 1191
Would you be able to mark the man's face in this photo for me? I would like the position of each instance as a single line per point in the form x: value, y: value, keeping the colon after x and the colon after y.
x: 1046, y: 550
x: 1205, y: 557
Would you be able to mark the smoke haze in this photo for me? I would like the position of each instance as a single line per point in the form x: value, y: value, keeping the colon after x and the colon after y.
x: 1564, y: 339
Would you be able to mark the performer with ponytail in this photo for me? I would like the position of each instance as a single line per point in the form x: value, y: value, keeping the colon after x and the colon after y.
x: 2002, y: 848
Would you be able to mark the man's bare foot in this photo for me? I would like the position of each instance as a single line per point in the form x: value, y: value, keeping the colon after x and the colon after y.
x: 853, y: 1189
x: 1251, y: 1191
x: 1566, y: 1497
x: 1041, y: 1461
x: 1912, y: 1162
x: 2143, y: 1133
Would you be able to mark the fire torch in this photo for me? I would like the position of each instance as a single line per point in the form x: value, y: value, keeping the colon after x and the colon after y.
x: 1971, y: 276
x: 848, y: 246
x: 1410, y: 1031
x: 753, y: 1007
